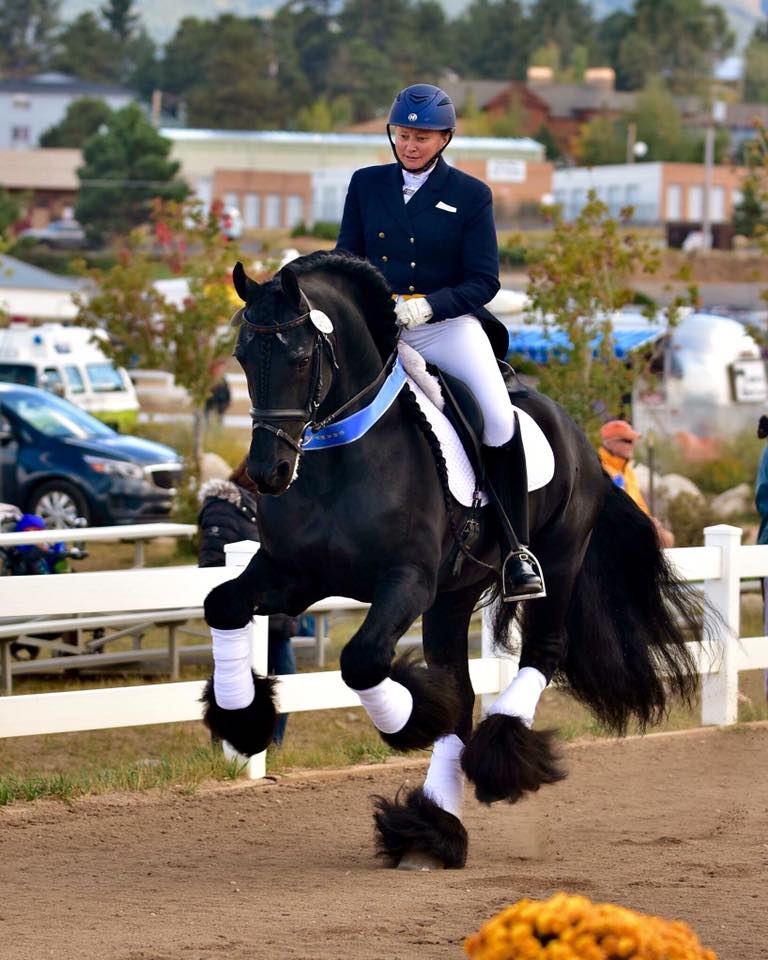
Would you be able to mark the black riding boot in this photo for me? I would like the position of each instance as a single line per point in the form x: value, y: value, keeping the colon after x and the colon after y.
x: 507, y: 484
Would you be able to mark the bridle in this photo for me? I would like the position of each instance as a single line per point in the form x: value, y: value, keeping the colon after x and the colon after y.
x: 323, y: 353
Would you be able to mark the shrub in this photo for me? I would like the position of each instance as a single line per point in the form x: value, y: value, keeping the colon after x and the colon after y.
x: 322, y: 229
x: 687, y: 516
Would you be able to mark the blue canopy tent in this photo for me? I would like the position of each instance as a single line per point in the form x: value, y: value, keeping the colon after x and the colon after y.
x: 540, y: 344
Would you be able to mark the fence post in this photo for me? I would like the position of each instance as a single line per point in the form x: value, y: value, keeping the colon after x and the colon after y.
x: 720, y: 691
x: 239, y: 555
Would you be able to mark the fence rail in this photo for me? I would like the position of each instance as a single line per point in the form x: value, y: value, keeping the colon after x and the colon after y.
x: 721, y: 564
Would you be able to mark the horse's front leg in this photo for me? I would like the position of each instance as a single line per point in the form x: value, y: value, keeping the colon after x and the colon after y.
x: 410, y: 705
x: 240, y: 705
x: 421, y: 828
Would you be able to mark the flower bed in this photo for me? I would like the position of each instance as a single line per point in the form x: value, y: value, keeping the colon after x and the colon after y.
x: 567, y: 927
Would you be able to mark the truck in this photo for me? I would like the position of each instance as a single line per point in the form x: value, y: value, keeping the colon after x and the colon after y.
x: 69, y: 362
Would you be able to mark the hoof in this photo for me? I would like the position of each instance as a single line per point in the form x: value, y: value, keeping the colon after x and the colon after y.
x: 436, y: 704
x: 420, y: 861
x: 413, y: 833
x: 250, y: 730
x: 505, y: 760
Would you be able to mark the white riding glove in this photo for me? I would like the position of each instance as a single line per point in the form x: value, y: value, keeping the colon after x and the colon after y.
x: 412, y: 313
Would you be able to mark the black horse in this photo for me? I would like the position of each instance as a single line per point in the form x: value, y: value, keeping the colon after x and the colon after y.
x: 374, y: 520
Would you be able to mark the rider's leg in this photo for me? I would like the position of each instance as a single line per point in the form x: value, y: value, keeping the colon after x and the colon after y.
x: 460, y: 347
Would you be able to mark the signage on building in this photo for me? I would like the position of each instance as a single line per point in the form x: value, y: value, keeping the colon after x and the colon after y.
x: 506, y: 171
x: 749, y: 381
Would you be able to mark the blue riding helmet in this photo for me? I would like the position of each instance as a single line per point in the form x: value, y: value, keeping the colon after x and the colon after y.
x: 29, y: 521
x: 424, y: 107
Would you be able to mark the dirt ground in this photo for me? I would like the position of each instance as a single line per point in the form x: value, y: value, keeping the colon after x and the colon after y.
x: 674, y: 824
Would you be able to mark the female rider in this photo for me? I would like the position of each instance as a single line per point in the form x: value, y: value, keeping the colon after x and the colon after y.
x: 429, y: 228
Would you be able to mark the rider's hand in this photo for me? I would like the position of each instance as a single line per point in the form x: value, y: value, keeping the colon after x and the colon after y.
x: 412, y: 313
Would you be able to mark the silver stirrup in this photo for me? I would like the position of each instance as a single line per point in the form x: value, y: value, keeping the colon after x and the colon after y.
x: 508, y: 594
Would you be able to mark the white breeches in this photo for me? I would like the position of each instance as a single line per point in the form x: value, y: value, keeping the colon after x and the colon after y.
x: 460, y: 347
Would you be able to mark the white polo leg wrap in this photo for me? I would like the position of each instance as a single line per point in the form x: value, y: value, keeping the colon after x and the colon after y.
x: 521, y: 697
x: 389, y: 705
x: 445, y: 778
x: 232, y: 680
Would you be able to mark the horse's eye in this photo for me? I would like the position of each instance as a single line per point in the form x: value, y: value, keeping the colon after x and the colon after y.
x: 302, y: 363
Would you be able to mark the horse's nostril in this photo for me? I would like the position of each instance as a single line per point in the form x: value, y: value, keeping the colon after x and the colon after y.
x: 283, y: 470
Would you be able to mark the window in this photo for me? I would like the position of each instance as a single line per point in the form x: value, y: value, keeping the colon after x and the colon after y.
x: 74, y: 379
x: 294, y: 210
x: 18, y: 373
x: 104, y: 377
x: 20, y: 135
x: 252, y: 211
x: 21, y: 102
x: 717, y: 205
x: 674, y: 201
x: 695, y: 202
x: 272, y: 211
x: 53, y: 380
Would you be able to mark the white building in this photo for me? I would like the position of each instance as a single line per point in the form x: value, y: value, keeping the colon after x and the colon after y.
x: 659, y: 192
x: 28, y: 107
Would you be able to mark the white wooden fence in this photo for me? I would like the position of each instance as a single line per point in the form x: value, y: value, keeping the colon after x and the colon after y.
x: 720, y: 564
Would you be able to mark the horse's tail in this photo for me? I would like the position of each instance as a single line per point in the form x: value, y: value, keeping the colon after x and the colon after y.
x: 628, y: 622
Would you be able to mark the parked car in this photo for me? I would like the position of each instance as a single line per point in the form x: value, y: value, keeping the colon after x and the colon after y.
x: 61, y: 234
x: 58, y: 461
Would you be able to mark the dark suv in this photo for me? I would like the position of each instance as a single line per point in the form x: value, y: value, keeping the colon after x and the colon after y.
x: 60, y: 462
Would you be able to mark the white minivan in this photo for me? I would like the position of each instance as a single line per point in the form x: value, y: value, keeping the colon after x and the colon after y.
x: 66, y: 361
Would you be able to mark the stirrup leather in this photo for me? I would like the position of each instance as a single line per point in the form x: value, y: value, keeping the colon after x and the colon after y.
x: 509, y: 593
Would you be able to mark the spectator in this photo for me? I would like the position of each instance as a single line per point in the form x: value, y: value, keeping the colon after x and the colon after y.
x: 219, y: 400
x: 616, y: 451
x: 227, y: 515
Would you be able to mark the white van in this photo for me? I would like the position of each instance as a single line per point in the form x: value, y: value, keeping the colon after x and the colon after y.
x: 65, y: 361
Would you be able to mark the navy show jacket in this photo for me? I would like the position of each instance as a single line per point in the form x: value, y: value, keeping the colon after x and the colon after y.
x: 441, y: 244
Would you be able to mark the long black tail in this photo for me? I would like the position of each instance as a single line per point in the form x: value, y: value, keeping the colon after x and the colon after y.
x: 628, y: 622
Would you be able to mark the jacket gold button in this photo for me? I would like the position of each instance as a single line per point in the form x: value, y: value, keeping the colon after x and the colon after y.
x: 381, y: 235
x: 411, y: 289
x: 385, y: 258
x: 413, y: 264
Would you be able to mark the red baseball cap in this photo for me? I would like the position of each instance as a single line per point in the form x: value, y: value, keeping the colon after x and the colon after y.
x: 618, y: 430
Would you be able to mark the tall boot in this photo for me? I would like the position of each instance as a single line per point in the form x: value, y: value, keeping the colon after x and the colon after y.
x: 507, y: 485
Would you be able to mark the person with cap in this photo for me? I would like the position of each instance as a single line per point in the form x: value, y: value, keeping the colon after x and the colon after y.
x: 429, y: 228
x: 616, y: 450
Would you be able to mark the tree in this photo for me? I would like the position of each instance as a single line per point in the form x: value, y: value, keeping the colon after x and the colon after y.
x: 567, y: 24
x: 750, y: 215
x: 602, y: 140
x: 660, y: 126
x: 489, y: 40
x: 756, y: 66
x: 189, y: 340
x: 578, y: 279
x: 121, y: 19
x: 26, y: 33
x: 681, y: 40
x: 10, y: 211
x: 126, y: 168
x: 83, y: 118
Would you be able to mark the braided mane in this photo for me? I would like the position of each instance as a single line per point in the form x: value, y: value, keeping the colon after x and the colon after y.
x: 374, y: 291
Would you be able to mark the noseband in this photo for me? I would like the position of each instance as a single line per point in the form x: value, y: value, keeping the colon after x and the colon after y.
x: 323, y: 348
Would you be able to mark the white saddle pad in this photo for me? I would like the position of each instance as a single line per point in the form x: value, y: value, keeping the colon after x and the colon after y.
x: 539, y: 458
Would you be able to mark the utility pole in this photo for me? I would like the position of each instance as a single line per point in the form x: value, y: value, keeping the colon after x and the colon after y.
x: 718, y: 115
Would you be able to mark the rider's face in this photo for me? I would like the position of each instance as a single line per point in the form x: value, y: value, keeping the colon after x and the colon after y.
x: 416, y: 148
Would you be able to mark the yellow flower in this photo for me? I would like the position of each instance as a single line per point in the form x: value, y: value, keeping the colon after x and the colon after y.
x: 569, y: 927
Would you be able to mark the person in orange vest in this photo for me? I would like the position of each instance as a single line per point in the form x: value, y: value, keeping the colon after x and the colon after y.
x: 616, y: 451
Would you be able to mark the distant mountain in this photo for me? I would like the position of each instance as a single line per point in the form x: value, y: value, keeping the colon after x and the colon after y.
x: 161, y: 19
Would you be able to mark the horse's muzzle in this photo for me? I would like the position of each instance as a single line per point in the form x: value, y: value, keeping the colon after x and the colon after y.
x: 271, y: 478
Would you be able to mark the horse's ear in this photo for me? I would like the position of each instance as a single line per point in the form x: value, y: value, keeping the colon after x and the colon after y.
x: 244, y: 286
x: 290, y: 286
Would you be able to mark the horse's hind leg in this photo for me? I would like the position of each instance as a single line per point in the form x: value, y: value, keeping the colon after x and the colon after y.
x: 505, y: 758
x: 421, y: 828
